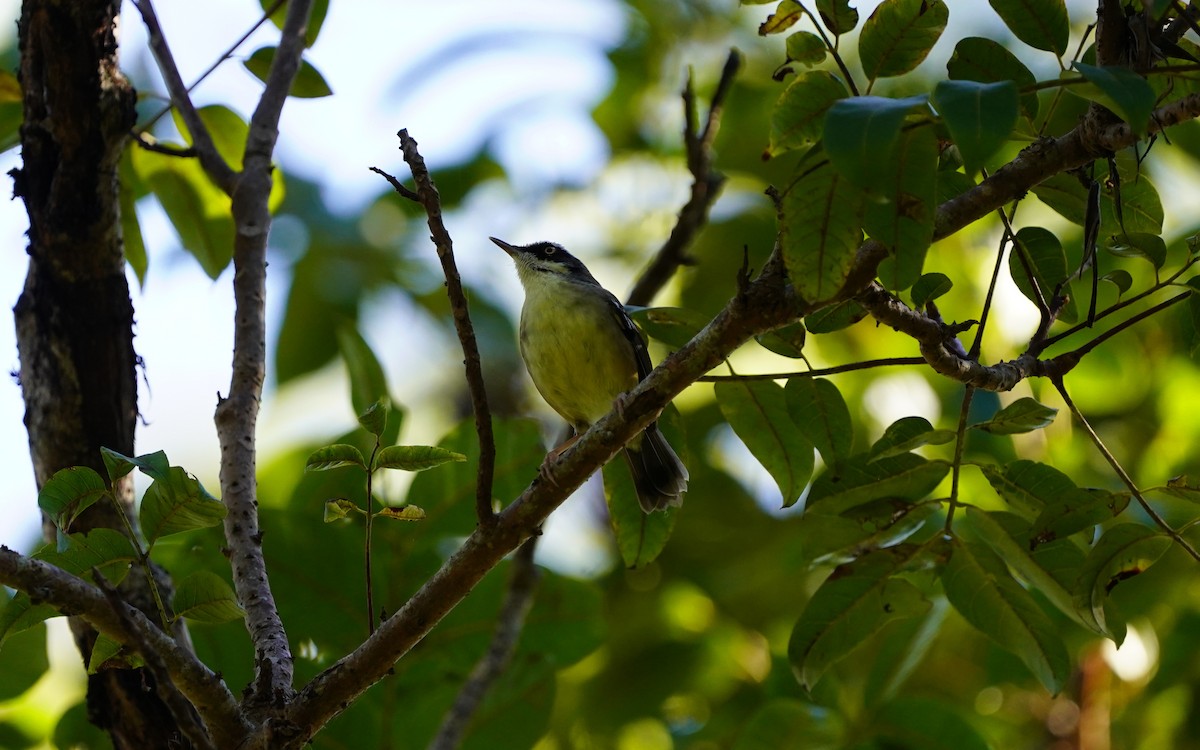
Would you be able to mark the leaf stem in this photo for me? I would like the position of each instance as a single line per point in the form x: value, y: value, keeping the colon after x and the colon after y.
x: 959, y: 445
x: 370, y: 517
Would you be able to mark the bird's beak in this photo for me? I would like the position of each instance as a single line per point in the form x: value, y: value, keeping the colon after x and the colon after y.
x: 510, y: 249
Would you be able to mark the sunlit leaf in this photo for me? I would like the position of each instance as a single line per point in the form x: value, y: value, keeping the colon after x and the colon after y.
x: 980, y: 587
x: 798, y: 118
x: 758, y: 412
x: 70, y: 492
x: 1042, y: 24
x: 177, y: 503
x: 817, y: 408
x: 853, y: 604
x: 339, y: 508
x: 1076, y: 511
x: 1023, y: 415
x: 899, y: 34
x: 1028, y: 486
x: 821, y: 228
x: 205, y: 597
x: 415, y: 457
x: 404, y: 513
x: 333, y: 457
x: 786, y: 14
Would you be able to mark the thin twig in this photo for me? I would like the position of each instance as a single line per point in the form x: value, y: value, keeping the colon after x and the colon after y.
x: 214, y: 164
x: 959, y: 444
x: 821, y: 372
x: 181, y: 710
x: 427, y: 196
x: 510, y: 622
x: 1125, y: 478
x: 1089, y: 346
x: 706, y: 186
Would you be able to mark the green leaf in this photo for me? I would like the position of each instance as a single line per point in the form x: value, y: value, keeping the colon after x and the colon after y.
x: 798, y: 118
x: 641, y: 537
x: 817, y: 408
x: 980, y: 116
x: 70, y: 492
x: 837, y: 15
x: 785, y: 16
x: 902, y: 653
x: 414, y: 457
x: 835, y: 317
x: 979, y: 586
x: 1048, y: 263
x: 155, y: 465
x: 674, y: 326
x: 925, y: 723
x: 1124, y: 551
x: 1022, y: 415
x: 903, y: 221
x: 1076, y: 511
x: 316, y: 18
x: 1181, y: 487
x: 334, y: 457
x: 899, y: 34
x: 1122, y: 91
x: 368, y: 384
x: 1028, y: 486
x: 785, y: 723
x: 23, y: 662
x: 905, y: 434
x: 1120, y: 278
x: 21, y: 614
x: 374, y: 419
x: 106, y: 550
x: 860, y: 480
x: 821, y: 229
x: 134, y: 246
x: 1042, y: 24
x: 852, y: 605
x: 110, y: 654
x: 205, y: 597
x: 177, y: 503
x: 1016, y: 555
x: 1063, y: 193
x: 806, y: 48
x: 787, y: 341
x: 929, y: 287
x: 987, y: 61
x: 198, y: 210
x: 339, y: 508
x: 758, y: 412
x: 861, y: 134
x: 308, y: 84
x: 403, y: 513
x: 835, y: 540
x: 1139, y: 245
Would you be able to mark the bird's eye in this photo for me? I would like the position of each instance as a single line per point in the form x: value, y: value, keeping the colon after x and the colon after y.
x: 550, y: 250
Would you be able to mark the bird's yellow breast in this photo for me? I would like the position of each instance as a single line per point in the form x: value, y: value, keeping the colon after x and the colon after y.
x: 575, y: 351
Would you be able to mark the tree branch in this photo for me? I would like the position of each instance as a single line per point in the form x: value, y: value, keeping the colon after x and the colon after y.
x: 706, y: 186
x: 215, y: 166
x: 517, y: 601
x: 237, y: 415
x: 128, y: 625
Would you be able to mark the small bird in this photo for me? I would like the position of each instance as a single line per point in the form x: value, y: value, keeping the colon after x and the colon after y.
x: 583, y: 353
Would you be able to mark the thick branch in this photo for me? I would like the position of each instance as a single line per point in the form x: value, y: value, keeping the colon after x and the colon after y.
x: 128, y: 625
x: 237, y: 415
x: 214, y: 164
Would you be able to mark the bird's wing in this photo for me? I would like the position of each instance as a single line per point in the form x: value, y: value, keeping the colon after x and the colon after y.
x: 641, y: 354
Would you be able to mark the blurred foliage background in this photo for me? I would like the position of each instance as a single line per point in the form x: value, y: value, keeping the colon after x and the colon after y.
x: 690, y: 650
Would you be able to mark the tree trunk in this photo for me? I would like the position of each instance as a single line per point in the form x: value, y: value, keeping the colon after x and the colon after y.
x: 74, y: 319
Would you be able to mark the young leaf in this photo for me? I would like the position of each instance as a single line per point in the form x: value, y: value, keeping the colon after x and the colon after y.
x: 374, y: 419
x: 981, y: 589
x: 154, y: 465
x: 1124, y: 551
x: 758, y: 412
x: 899, y: 34
x: 980, y: 117
x: 1182, y: 487
x: 308, y: 84
x: 21, y: 614
x: 403, y: 513
x: 837, y: 15
x: 806, y: 48
x: 905, y: 434
x: 70, y: 492
x: 821, y: 229
x: 1042, y: 24
x: 1124, y: 92
x: 107, y: 654
x: 334, y: 457
x: 205, y: 597
x: 177, y: 503
x: 798, y: 119
x: 987, y: 61
x: 859, y: 480
x: 339, y: 508
x: 106, y: 550
x: 929, y: 287
x: 854, y: 603
x: 786, y: 14
x: 414, y: 457
x: 1022, y: 415
x: 819, y: 411
x: 861, y: 134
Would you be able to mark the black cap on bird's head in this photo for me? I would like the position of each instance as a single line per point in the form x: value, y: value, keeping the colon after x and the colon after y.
x: 546, y: 257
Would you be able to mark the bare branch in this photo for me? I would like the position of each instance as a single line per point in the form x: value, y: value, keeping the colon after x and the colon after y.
x: 517, y: 601
x: 237, y: 415
x: 128, y: 625
x: 706, y: 186
x: 214, y: 164
x: 427, y: 195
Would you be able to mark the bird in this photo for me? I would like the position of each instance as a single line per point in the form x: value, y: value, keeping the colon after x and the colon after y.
x: 583, y: 353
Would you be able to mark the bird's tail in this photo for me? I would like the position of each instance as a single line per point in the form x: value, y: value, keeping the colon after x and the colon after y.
x: 659, y: 477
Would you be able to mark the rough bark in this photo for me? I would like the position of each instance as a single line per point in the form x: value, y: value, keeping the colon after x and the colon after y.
x: 74, y: 319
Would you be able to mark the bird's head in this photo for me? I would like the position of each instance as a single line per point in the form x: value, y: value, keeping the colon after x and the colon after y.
x: 545, y: 260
